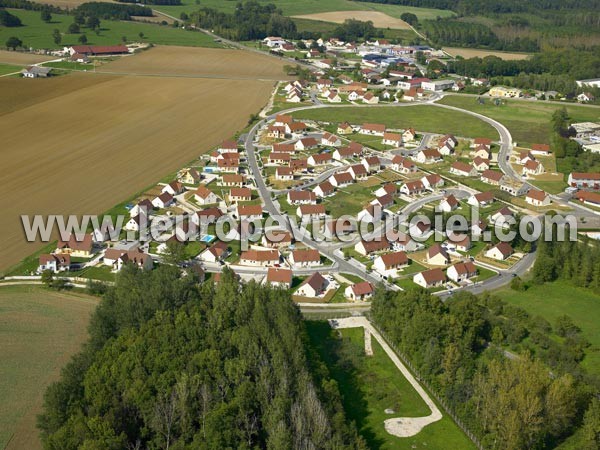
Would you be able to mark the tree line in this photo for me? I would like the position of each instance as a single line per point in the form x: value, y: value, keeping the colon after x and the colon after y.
x: 114, y: 11
x: 9, y: 20
x: 153, y: 2
x: 250, y: 21
x: 175, y: 363
x: 533, y: 400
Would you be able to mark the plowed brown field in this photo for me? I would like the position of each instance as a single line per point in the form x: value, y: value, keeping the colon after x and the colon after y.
x: 82, y: 143
x: 379, y: 19
x: 21, y: 58
x: 199, y: 62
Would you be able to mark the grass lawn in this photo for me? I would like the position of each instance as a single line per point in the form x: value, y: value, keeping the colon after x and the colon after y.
x: 39, y: 329
x: 421, y: 117
x: 557, y: 298
x: 69, y: 65
x: 371, y: 384
x: 349, y: 200
x: 551, y: 187
x: 7, y: 68
x: 101, y: 273
x: 527, y: 121
x: 38, y: 34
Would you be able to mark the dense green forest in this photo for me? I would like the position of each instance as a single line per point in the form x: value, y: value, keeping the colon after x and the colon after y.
x: 534, y: 400
x: 153, y: 2
x: 109, y: 11
x: 249, y: 21
x: 172, y: 363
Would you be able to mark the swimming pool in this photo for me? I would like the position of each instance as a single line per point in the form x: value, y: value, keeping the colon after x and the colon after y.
x: 207, y: 238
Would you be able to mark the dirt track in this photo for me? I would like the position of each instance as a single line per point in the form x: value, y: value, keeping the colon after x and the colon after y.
x: 199, y: 62
x: 83, y: 143
x: 379, y: 19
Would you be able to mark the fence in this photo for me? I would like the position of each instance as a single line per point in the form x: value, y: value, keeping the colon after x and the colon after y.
x: 427, y: 386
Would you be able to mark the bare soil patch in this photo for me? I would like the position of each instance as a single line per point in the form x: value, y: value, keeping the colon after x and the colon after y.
x: 75, y: 146
x: 379, y: 19
x: 22, y: 58
x: 199, y: 62
x: 478, y: 53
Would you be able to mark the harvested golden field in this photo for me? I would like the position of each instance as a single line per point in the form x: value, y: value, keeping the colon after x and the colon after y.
x: 199, y: 62
x: 476, y: 53
x: 379, y: 19
x: 90, y: 141
x: 40, y: 330
x: 21, y: 58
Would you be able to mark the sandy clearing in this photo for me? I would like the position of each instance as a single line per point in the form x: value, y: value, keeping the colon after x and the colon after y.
x: 474, y: 52
x: 21, y: 58
x: 94, y: 146
x: 199, y: 62
x: 398, y: 426
x: 379, y: 19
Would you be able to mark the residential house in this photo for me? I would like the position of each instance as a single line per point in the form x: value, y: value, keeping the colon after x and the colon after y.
x: 481, y: 199
x: 228, y: 146
x: 541, y: 149
x: 325, y: 189
x: 481, y: 151
x: 304, y: 258
x: 205, y: 196
x: 432, y: 181
x: 320, y: 159
x: 533, y: 168
x: 481, y: 142
x: 276, y: 131
x: 229, y: 164
x: 461, y: 271
x: 217, y: 252
x: 240, y: 195
x: 353, y: 150
x: 55, y: 263
x: 259, y: 258
x: 279, y: 158
x: 276, y: 238
x: 428, y: 156
x: 462, y: 243
x: 279, y: 277
x: 412, y: 187
x: 463, y: 169
x: 367, y: 247
x: 390, y: 263
x: 370, y: 213
x: 492, y: 177
x: 232, y: 180
x: 393, y: 139
x: 430, y: 278
x: 383, y: 201
x: 500, y: 252
x: 437, y: 255
x: 585, y: 97
x: 306, y: 143
x: 403, y: 165
x: 374, y: 129
x: 296, y: 129
x: 116, y: 258
x: 299, y: 165
x: 142, y: 207
x: 387, y: 189
x: 341, y: 179
x: 249, y: 212
x: 354, y: 96
x: 370, y: 99
x: 283, y: 148
x: 284, y: 174
x: 481, y: 164
x: 448, y: 204
x: 36, y: 72
x: 334, y: 97
x: 536, y: 197
x: 525, y: 156
x: 584, y: 180
x: 207, y: 216
x: 371, y: 163
x: 344, y: 128
x: 283, y: 119
x: 358, y: 172
x: 589, y: 198
x: 359, y: 291
x: 409, y: 135
x: 330, y: 140
x: 314, y: 286
x: 164, y: 200
x: 299, y: 197
x: 514, y: 188
x: 189, y: 176
x: 311, y: 212
x: 77, y: 245
x: 135, y: 223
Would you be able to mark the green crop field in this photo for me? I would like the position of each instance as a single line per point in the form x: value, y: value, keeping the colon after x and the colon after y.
x: 38, y: 34
x: 557, y: 298
x: 7, y: 68
x: 297, y: 7
x: 39, y: 330
x: 421, y: 117
x: 371, y: 384
x: 527, y: 121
